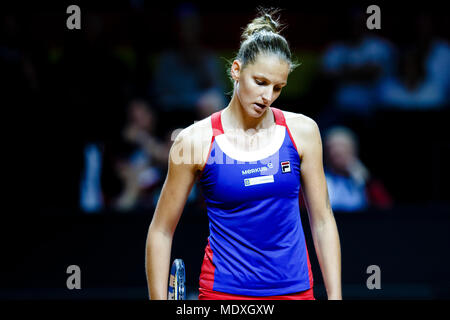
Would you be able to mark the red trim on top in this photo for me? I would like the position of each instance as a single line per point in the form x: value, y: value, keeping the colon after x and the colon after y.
x: 217, y: 129
x: 216, y: 295
x: 209, y: 155
x: 279, y: 117
x: 207, y: 270
x: 281, y: 120
x: 311, y: 278
x: 216, y: 123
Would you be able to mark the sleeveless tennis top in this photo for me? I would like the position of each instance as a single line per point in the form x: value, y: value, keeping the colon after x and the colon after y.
x: 256, y: 244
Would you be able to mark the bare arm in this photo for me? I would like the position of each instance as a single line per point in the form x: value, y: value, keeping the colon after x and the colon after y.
x: 321, y: 218
x: 175, y: 191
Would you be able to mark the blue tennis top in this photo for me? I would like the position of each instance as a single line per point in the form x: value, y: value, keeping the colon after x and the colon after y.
x: 256, y: 245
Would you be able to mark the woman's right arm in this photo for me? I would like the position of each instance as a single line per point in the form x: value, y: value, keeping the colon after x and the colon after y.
x: 175, y: 191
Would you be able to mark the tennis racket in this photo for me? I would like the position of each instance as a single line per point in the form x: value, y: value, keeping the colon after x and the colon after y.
x: 176, y: 281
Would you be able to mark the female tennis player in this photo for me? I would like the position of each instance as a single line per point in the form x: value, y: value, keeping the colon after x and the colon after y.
x: 251, y: 160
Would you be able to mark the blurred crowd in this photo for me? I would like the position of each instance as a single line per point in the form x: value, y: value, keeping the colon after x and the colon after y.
x: 110, y: 111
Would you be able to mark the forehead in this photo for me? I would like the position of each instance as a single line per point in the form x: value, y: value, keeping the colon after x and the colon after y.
x: 271, y: 67
x: 340, y: 140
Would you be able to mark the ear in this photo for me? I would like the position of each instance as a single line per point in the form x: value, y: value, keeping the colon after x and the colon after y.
x: 235, y: 70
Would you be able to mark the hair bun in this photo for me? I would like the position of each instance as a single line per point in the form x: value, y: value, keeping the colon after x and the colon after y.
x: 264, y: 22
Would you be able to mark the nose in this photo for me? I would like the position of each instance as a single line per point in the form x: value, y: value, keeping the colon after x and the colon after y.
x: 267, y: 94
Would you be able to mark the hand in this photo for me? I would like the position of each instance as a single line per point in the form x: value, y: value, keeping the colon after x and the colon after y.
x: 359, y: 172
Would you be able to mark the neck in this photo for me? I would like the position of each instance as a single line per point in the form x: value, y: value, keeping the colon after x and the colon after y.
x: 237, y: 118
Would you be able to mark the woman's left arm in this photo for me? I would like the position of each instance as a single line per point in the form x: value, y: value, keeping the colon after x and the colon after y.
x: 323, y: 225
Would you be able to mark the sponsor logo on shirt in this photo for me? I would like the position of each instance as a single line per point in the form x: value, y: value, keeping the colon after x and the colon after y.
x: 258, y: 180
x: 285, y: 166
x: 260, y: 169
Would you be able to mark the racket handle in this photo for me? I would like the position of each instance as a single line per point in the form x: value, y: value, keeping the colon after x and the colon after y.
x: 177, y: 281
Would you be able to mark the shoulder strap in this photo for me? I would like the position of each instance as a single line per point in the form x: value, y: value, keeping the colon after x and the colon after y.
x: 279, y: 116
x: 281, y: 120
x: 216, y: 123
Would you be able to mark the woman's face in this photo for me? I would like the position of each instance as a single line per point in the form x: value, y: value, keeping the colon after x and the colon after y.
x: 340, y: 152
x: 140, y: 115
x: 259, y: 84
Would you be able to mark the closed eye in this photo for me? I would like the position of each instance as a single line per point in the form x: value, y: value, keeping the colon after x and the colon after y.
x: 262, y: 83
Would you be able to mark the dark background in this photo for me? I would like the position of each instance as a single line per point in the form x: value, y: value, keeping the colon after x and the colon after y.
x: 76, y: 94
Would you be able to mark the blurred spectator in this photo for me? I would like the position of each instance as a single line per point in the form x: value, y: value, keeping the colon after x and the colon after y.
x: 195, y: 197
x: 188, y: 80
x: 350, y: 185
x: 140, y: 129
x: 91, y: 198
x: 141, y: 169
x: 354, y: 65
x: 423, y: 78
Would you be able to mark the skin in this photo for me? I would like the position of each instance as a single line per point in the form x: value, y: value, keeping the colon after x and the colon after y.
x: 259, y: 82
x: 341, y: 153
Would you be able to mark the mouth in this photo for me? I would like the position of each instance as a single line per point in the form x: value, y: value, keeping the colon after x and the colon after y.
x: 260, y: 105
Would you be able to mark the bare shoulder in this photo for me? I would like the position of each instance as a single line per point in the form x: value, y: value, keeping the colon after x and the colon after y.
x: 304, y: 130
x: 294, y: 117
x: 191, y: 144
x: 198, y: 129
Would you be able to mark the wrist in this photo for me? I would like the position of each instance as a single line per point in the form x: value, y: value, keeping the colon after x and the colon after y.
x: 335, y: 296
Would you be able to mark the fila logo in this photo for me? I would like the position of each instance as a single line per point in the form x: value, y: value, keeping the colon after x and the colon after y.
x: 285, y: 166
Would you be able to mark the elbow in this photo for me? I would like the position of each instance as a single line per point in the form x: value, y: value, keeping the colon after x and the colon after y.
x: 323, y: 221
x: 158, y: 235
